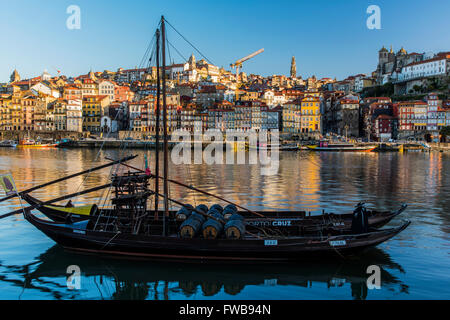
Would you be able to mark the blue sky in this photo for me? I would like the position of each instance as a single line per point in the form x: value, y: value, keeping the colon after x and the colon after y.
x: 328, y: 38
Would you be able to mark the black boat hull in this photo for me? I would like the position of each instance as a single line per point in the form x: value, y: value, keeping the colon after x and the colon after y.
x: 175, y: 248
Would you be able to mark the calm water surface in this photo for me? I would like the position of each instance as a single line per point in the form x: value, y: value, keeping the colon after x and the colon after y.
x: 415, y: 264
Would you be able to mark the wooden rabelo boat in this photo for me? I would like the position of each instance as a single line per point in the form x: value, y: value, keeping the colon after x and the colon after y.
x: 149, y: 241
x: 277, y: 219
x: 133, y: 228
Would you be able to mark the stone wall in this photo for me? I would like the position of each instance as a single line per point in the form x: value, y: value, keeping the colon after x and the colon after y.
x: 137, y: 135
x: 46, y: 135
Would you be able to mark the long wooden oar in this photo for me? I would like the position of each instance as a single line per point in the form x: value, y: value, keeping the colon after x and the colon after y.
x: 195, y: 189
x: 69, y: 177
x: 79, y: 193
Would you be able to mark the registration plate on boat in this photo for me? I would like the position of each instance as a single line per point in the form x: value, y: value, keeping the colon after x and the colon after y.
x: 270, y: 242
x: 338, y: 243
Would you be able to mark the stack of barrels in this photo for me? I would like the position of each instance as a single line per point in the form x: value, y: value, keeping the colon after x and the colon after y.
x: 214, y: 225
x: 193, y: 222
x: 235, y: 227
x: 212, y: 222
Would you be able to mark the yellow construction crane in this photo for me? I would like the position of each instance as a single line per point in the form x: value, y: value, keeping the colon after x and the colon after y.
x: 238, y: 64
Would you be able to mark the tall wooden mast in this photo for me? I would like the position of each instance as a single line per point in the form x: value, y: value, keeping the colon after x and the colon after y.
x: 157, y: 125
x: 166, y: 158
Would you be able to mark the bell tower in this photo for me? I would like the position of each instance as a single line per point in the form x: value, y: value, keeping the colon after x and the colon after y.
x: 15, y: 76
x: 293, y: 68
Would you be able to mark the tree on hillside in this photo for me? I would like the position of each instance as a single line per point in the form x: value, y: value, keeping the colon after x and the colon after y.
x: 417, y: 88
x: 433, y: 84
x: 445, y: 131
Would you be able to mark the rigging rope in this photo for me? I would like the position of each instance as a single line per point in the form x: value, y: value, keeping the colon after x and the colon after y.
x: 176, y: 50
x: 96, y: 158
x: 184, y: 38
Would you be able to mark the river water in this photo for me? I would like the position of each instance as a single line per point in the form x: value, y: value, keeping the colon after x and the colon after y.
x: 414, y: 265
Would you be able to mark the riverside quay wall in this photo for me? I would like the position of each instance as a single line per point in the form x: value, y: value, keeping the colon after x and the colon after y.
x: 45, y: 135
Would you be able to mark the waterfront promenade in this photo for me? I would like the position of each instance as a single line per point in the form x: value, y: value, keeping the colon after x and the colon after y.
x: 150, y: 144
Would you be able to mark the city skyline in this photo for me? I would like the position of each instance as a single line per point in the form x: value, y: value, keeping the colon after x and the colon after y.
x: 114, y: 35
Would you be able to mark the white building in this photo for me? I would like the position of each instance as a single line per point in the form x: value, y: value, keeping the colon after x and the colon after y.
x: 46, y: 76
x: 436, y: 66
x: 278, y: 99
x: 230, y: 95
x: 74, y: 115
x: 433, y: 103
x: 268, y: 97
x: 40, y: 87
x: 130, y: 75
x: 175, y: 71
x: 106, y: 88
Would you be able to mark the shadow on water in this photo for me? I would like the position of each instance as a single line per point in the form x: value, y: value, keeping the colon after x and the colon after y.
x: 121, y: 279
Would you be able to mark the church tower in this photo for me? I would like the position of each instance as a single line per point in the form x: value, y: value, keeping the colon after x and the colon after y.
x: 293, y: 68
x: 92, y: 76
x: 15, y: 76
x: 192, y: 62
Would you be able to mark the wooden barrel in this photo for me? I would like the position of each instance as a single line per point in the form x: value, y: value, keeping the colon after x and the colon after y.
x: 212, y: 212
x: 190, y: 227
x: 198, y: 217
x: 219, y: 217
x: 230, y: 207
x: 235, y: 229
x: 211, y: 229
x: 183, y: 214
x: 229, y: 210
x: 236, y: 217
x: 217, y: 207
x: 202, y: 207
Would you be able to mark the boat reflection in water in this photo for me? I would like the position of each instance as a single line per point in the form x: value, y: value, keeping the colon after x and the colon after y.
x: 104, y: 278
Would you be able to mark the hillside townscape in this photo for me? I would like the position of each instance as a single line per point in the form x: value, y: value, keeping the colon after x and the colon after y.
x: 406, y: 97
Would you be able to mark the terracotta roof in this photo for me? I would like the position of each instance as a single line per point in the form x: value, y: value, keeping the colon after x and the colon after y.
x: 349, y: 101
x: 381, y: 103
x: 412, y: 102
x: 385, y: 117
x: 443, y: 57
x: 71, y: 88
x: 133, y: 70
x: 377, y: 98
x: 97, y: 98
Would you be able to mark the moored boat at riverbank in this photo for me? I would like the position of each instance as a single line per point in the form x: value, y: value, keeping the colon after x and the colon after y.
x: 255, y: 248
x: 8, y: 144
x: 341, y: 147
x: 280, y: 219
x: 30, y: 143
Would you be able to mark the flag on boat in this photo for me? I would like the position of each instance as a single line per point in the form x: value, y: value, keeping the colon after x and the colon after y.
x: 147, y: 169
x: 7, y: 183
